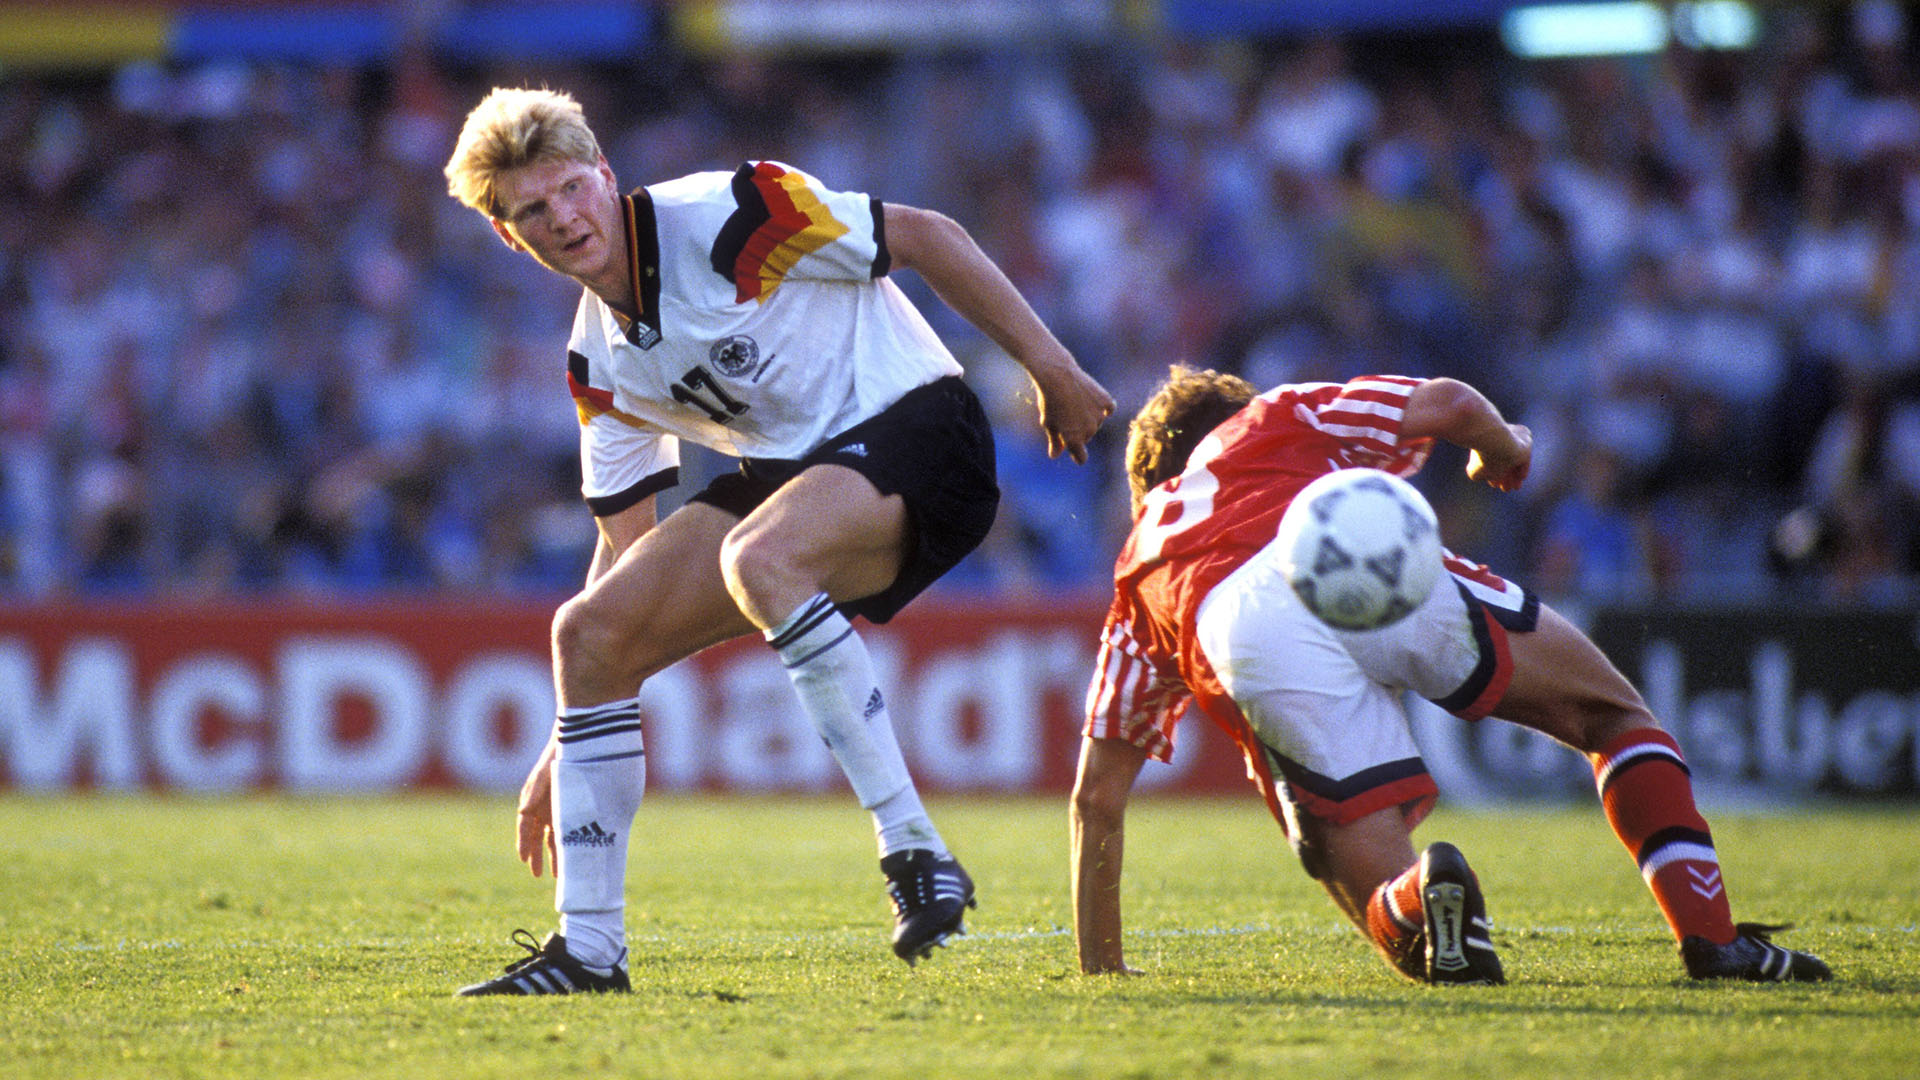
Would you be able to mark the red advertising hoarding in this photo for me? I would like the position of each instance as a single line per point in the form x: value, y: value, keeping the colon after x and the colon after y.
x: 379, y: 696
x: 322, y: 697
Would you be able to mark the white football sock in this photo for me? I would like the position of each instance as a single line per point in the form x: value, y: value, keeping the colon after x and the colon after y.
x: 833, y: 675
x: 902, y: 824
x: 599, y: 776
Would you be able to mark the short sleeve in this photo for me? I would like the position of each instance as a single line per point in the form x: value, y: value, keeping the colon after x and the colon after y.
x: 1128, y: 698
x: 622, y: 463
x: 623, y: 459
x: 1366, y: 414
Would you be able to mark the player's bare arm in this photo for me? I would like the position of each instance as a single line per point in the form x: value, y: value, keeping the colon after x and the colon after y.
x: 1072, y: 405
x: 533, y: 822
x: 1098, y: 816
x: 1499, y: 453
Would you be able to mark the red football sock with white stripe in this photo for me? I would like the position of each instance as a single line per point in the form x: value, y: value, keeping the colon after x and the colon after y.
x: 1647, y: 792
x: 1395, y: 918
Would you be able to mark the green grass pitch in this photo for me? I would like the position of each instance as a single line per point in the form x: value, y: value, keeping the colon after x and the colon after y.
x: 273, y: 937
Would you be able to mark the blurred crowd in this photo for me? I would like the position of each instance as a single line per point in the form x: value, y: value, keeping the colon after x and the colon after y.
x: 248, y: 344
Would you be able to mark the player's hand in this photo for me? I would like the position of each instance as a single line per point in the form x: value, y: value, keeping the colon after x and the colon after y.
x: 1503, y: 467
x: 1072, y: 408
x: 534, y: 821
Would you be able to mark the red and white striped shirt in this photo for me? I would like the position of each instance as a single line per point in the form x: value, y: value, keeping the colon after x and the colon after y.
x: 1194, y: 530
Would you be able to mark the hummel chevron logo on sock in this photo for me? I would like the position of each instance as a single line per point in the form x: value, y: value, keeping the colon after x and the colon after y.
x: 1706, y: 884
x: 588, y: 835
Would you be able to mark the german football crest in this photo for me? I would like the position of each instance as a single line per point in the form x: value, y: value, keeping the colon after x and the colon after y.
x: 734, y: 356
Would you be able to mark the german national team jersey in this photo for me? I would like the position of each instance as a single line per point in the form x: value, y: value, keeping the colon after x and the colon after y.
x: 767, y: 326
x: 1194, y: 530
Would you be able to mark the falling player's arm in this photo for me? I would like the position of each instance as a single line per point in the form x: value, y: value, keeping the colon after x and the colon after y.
x: 1098, y: 817
x: 1499, y: 453
x: 534, y: 820
x: 1132, y: 707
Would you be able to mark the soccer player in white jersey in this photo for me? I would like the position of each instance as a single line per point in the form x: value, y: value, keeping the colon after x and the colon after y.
x: 1203, y: 616
x: 749, y: 312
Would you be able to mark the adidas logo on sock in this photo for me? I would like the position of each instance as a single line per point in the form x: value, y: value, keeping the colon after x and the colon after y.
x: 874, y: 705
x: 588, y: 835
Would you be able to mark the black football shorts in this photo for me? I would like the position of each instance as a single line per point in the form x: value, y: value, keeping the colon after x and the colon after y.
x: 933, y: 448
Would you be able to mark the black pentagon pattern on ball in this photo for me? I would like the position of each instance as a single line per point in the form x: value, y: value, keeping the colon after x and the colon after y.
x: 1375, y: 483
x: 1348, y: 610
x: 1388, y: 566
x: 1325, y: 503
x: 1329, y: 557
x: 1416, y: 522
x: 1308, y: 592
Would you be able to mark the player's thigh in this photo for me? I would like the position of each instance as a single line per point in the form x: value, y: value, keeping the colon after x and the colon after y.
x: 1433, y: 651
x: 1295, y: 683
x: 665, y: 598
x: 831, y: 525
x: 1564, y: 686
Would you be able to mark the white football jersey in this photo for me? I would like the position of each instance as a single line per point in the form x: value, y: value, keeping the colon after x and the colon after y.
x: 767, y: 327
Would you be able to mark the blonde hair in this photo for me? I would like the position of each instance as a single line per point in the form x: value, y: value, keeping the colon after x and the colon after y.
x: 1186, y: 407
x: 511, y: 128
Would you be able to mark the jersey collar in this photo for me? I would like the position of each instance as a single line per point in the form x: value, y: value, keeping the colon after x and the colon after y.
x: 643, y: 268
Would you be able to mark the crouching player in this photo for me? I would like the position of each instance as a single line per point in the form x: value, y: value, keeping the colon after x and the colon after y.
x: 1203, y: 615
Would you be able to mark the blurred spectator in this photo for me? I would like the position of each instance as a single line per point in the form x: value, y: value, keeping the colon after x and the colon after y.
x: 248, y: 345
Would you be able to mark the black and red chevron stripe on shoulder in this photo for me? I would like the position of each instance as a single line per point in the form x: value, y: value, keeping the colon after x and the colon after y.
x: 777, y: 219
x: 590, y: 401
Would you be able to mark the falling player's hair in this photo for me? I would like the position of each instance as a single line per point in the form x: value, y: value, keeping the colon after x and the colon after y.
x: 511, y: 128
x: 1172, y: 422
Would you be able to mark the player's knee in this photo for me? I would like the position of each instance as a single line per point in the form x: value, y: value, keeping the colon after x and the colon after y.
x: 589, y: 634
x: 748, y: 558
x: 1098, y: 804
x: 575, y: 630
x: 1593, y: 721
x: 1607, y: 723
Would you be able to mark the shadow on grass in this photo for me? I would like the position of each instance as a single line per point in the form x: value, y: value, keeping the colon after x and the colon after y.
x: 1844, y: 999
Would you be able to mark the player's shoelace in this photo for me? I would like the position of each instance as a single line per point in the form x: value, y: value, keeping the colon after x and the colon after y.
x: 1753, y: 956
x: 547, y: 969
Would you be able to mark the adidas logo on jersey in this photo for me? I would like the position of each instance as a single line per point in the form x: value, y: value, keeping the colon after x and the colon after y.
x: 588, y: 835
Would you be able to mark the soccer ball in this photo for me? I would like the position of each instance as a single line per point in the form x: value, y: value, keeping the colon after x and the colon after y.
x: 1362, y: 548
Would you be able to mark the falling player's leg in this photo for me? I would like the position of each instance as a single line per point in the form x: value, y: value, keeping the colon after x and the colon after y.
x: 1564, y: 686
x: 1330, y: 745
x: 1427, y: 916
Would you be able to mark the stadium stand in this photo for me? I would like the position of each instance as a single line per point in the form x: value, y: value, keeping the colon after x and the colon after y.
x: 249, y: 346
